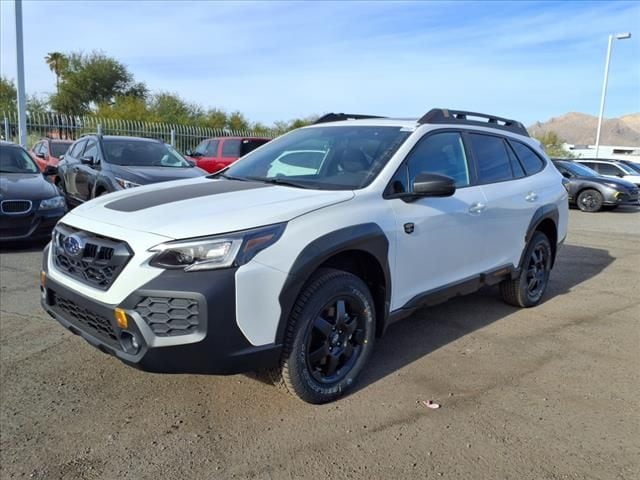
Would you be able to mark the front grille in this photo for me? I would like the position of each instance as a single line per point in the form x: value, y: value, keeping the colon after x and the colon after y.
x: 15, y: 226
x: 15, y: 206
x: 169, y: 316
x: 89, y: 321
x: 94, y: 260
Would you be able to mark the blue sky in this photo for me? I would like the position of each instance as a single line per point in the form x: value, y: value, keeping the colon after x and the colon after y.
x: 280, y: 60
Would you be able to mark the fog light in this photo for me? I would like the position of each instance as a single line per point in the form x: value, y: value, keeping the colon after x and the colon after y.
x: 121, y: 318
x: 130, y: 342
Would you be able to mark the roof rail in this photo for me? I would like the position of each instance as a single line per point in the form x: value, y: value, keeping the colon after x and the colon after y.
x: 336, y: 117
x: 443, y: 115
x: 96, y: 134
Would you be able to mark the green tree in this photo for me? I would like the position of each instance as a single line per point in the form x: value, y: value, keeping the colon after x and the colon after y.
x: 170, y: 108
x: 552, y: 145
x: 125, y: 108
x: 89, y: 80
x: 57, y: 64
x: 8, y: 99
x: 237, y: 121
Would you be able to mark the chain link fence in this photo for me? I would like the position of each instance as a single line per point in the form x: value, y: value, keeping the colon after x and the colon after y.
x: 55, y: 125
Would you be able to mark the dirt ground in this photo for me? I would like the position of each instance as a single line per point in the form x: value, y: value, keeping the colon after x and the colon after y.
x: 546, y: 393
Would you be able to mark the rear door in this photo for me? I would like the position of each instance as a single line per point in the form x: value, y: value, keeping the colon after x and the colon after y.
x: 70, y: 169
x: 511, y: 199
x: 87, y: 173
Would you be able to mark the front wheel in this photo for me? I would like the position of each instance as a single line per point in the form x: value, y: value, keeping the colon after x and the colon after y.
x: 590, y: 200
x: 528, y: 288
x: 329, y: 337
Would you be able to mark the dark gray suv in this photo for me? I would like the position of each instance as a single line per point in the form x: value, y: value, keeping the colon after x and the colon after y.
x: 591, y: 192
x: 96, y: 165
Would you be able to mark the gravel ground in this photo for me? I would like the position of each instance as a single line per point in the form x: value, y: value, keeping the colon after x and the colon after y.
x: 545, y: 393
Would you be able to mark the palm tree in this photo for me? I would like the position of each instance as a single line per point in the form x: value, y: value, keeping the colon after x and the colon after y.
x: 57, y: 62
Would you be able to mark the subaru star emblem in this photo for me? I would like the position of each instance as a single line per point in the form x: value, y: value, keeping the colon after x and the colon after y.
x: 73, y: 245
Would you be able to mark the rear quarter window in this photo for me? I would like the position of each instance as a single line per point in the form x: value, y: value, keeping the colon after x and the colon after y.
x: 530, y: 160
x: 492, y: 159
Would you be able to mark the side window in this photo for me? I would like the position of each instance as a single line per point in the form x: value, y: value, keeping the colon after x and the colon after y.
x: 36, y: 148
x: 91, y: 150
x: 231, y: 148
x: 201, y: 148
x: 44, y: 148
x: 212, y: 148
x: 76, y: 149
x: 441, y: 153
x: 591, y: 165
x: 516, y: 166
x: 531, y: 161
x: 492, y: 158
x: 608, y: 169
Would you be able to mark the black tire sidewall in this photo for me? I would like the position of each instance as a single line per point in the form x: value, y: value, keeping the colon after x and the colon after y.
x: 307, y: 387
x: 538, y: 239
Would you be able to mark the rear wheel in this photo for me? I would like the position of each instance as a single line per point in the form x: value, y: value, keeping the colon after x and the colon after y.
x: 590, y: 200
x: 329, y: 337
x: 527, y: 290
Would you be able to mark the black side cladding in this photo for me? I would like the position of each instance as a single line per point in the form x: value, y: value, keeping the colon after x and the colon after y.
x: 178, y: 193
x: 367, y: 237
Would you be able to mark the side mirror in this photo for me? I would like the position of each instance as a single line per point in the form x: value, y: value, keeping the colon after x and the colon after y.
x: 433, y: 185
x: 189, y: 152
x: 566, y: 174
x: 60, y: 158
x: 87, y: 160
x: 621, y: 175
x: 50, y: 170
x: 191, y: 162
x: 41, y: 155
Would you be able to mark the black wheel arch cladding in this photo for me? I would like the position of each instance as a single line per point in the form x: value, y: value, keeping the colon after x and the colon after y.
x: 540, y: 221
x: 368, y: 238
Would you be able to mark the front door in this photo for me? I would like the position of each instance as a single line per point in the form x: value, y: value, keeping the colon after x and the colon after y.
x: 437, y: 238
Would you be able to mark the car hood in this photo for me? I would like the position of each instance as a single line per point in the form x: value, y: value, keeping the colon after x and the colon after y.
x: 146, y: 175
x: 25, y: 186
x: 612, y: 181
x: 205, y: 206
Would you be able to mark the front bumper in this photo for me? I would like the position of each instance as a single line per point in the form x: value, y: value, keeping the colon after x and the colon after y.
x: 621, y: 198
x: 29, y: 226
x: 213, y: 343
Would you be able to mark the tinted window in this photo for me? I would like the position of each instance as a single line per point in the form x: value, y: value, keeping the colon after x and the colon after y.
x: 231, y: 148
x: 516, y: 166
x: 16, y: 160
x: 76, y: 149
x: 590, y: 165
x: 608, y: 169
x: 91, y: 150
x: 345, y: 165
x: 532, y: 162
x: 492, y: 158
x: 59, y: 148
x: 441, y: 153
x: 142, y: 154
x: 211, y: 149
x: 250, y: 144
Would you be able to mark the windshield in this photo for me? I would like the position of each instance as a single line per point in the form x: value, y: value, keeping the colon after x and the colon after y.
x: 16, y: 160
x: 139, y: 153
x: 634, y: 166
x: 627, y: 169
x: 59, y: 148
x: 326, y: 158
x: 579, y: 170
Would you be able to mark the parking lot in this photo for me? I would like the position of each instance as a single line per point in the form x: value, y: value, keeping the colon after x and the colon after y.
x: 551, y: 392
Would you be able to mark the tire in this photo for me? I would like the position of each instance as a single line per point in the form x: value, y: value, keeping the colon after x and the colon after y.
x: 329, y: 337
x: 590, y: 200
x: 527, y: 290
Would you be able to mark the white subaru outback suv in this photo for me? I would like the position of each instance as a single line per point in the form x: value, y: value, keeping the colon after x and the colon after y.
x: 297, y: 267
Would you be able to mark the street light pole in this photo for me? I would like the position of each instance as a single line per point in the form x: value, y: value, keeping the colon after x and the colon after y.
x: 22, y: 103
x: 619, y: 36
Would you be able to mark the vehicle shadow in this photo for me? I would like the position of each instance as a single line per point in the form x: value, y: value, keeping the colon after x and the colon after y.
x: 23, y: 246
x: 431, y: 328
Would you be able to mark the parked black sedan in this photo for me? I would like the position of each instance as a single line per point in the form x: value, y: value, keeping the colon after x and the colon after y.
x: 590, y: 191
x: 96, y: 165
x: 29, y: 205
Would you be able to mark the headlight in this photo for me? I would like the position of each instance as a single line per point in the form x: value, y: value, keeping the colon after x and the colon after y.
x: 221, y: 251
x: 51, y: 203
x: 126, y: 183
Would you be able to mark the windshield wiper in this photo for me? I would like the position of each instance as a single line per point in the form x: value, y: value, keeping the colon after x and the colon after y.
x: 278, y: 181
x: 230, y: 177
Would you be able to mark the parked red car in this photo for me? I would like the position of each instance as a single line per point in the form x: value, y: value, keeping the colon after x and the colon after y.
x: 214, y: 154
x: 48, y: 151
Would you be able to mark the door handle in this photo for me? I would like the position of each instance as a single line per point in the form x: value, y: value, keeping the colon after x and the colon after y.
x: 531, y: 197
x: 477, y: 207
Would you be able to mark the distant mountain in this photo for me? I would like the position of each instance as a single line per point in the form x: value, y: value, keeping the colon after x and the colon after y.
x: 580, y: 129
